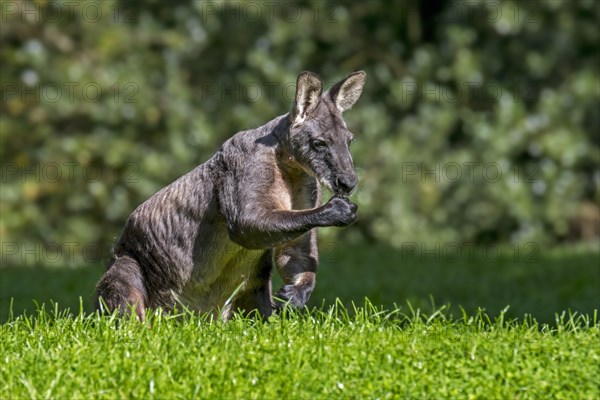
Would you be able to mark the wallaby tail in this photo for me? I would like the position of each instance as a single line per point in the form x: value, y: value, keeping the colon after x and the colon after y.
x: 122, y: 288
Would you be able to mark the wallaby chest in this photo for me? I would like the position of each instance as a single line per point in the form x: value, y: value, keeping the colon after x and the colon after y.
x: 293, y: 189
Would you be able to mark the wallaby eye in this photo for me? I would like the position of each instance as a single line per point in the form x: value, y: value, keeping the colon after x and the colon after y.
x: 318, y: 144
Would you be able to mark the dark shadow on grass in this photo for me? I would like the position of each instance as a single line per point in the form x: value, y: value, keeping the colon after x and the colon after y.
x: 28, y: 286
x: 539, y: 283
x: 530, y: 280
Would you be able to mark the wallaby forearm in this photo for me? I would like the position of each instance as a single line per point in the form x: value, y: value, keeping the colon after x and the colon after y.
x: 273, y: 228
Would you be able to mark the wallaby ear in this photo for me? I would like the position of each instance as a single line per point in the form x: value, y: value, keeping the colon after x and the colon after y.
x: 347, y: 91
x: 308, y: 93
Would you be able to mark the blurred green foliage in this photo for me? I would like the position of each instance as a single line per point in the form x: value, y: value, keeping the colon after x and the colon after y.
x: 479, y: 122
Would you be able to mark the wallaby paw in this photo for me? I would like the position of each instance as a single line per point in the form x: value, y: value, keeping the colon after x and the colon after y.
x: 342, y: 211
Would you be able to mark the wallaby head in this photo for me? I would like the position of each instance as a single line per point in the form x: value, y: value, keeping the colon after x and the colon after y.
x: 318, y: 138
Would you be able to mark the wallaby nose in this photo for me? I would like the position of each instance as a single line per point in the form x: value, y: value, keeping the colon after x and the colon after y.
x: 346, y: 184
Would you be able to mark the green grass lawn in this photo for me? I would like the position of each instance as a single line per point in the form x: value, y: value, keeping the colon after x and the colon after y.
x: 426, y: 336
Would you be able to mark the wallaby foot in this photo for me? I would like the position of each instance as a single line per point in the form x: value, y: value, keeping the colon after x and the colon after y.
x: 122, y: 288
x: 298, y: 293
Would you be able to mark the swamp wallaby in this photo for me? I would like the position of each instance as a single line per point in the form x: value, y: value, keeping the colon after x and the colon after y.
x: 218, y: 230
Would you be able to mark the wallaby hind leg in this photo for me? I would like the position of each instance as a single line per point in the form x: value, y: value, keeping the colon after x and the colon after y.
x: 122, y: 287
x: 297, y: 265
